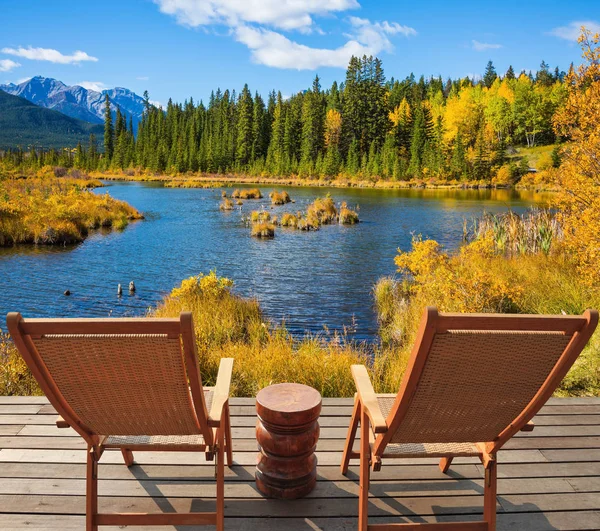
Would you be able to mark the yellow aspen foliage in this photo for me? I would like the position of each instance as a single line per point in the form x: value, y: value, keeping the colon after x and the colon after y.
x: 579, y: 200
x: 505, y: 90
x: 401, y: 114
x: 464, y: 282
x: 333, y: 128
x: 464, y: 112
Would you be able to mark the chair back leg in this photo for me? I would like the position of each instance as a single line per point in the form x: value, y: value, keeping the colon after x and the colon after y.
x: 350, y: 436
x: 127, y: 456
x: 91, y: 495
x: 228, y: 440
x: 445, y: 463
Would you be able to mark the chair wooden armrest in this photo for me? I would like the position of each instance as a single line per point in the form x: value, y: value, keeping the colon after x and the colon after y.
x: 528, y: 427
x: 368, y: 399
x: 62, y: 423
x: 221, y: 391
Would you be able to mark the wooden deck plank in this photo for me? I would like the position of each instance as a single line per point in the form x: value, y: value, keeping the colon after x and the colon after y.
x: 549, y: 479
x: 248, y: 444
x: 566, y: 521
x: 141, y: 487
x: 341, y: 421
x: 241, y: 458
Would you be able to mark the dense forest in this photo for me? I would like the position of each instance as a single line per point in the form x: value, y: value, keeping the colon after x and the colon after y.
x: 366, y: 127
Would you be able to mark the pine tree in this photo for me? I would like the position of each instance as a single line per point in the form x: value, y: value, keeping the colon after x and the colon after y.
x: 108, y: 131
x: 245, y: 129
x: 490, y: 75
x: 510, y: 73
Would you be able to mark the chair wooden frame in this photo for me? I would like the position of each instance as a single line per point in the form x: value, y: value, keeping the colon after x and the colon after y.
x: 376, y: 431
x: 213, y: 425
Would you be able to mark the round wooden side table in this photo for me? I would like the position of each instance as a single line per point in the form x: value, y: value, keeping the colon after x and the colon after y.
x: 287, y: 432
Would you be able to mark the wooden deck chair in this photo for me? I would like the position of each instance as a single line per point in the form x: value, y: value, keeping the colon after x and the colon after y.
x: 128, y: 384
x: 472, y: 382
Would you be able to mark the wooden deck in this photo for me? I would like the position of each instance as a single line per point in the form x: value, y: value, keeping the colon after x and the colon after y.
x: 549, y: 479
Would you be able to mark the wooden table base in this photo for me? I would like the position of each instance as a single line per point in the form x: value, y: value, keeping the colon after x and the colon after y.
x: 287, y: 432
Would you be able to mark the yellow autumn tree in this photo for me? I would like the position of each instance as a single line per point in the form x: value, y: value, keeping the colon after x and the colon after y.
x: 333, y: 128
x: 578, y: 120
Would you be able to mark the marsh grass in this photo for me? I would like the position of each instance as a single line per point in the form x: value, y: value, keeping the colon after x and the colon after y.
x: 263, y: 230
x: 247, y: 193
x: 347, y: 216
x: 54, y: 210
x: 228, y: 325
x: 15, y: 378
x: 189, y: 183
x: 513, y: 234
x: 280, y: 198
x: 226, y: 204
x: 322, y: 209
x: 288, y: 220
x: 260, y: 216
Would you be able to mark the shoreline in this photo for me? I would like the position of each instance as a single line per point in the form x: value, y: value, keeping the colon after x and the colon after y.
x: 228, y: 180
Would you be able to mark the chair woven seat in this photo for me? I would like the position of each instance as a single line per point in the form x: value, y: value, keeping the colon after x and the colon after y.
x: 124, y: 441
x: 432, y: 450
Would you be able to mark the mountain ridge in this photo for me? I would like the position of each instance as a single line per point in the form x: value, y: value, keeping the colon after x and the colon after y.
x: 23, y: 123
x: 76, y: 101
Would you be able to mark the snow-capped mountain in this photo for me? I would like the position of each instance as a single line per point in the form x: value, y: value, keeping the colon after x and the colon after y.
x: 76, y: 101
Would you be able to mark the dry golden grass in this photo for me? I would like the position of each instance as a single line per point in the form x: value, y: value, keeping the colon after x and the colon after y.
x: 263, y: 230
x: 53, y: 210
x: 280, y: 198
x: 347, y: 216
x: 226, y: 204
x: 247, y: 193
x: 230, y: 326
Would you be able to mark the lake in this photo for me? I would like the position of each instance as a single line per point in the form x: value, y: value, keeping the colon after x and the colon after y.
x: 311, y: 280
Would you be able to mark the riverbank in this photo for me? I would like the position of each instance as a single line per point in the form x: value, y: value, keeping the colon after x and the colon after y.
x: 229, y: 180
x: 56, y: 211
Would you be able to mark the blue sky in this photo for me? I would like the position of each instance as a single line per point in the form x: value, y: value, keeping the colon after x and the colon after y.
x: 183, y: 48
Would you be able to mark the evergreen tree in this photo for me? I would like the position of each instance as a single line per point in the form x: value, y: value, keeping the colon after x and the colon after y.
x: 490, y: 75
x: 108, y: 131
x: 510, y: 73
x: 245, y: 129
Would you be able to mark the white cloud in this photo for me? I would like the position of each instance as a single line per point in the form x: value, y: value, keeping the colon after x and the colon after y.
x: 142, y: 78
x: 271, y: 48
x: 282, y: 14
x: 6, y: 65
x: 253, y: 23
x: 483, y: 46
x: 48, y: 54
x: 572, y: 31
x: 96, y: 86
x: 156, y: 103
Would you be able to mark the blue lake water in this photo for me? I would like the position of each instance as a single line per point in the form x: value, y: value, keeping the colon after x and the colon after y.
x: 312, y: 280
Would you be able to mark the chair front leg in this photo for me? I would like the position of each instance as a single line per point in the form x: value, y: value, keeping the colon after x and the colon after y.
x: 220, y: 479
x: 350, y: 437
x: 489, y: 494
x: 365, y: 456
x: 91, y: 494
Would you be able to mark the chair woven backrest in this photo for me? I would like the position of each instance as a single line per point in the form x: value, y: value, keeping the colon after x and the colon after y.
x: 474, y: 383
x: 115, y: 376
x: 122, y: 384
